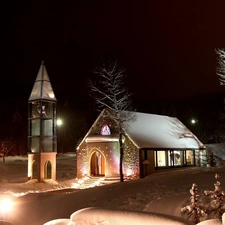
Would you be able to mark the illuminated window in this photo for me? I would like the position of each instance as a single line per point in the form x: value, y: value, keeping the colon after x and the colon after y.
x: 178, y: 158
x: 160, y: 159
x: 105, y: 130
x: 190, y: 157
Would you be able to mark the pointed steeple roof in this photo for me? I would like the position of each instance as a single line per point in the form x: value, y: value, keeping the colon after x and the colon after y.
x: 42, y: 88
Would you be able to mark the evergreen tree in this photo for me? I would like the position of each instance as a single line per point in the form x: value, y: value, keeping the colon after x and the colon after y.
x: 211, y: 159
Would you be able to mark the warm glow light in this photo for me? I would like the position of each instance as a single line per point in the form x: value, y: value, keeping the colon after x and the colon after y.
x: 129, y: 172
x: 59, y: 122
x: 5, y: 204
x: 51, y: 95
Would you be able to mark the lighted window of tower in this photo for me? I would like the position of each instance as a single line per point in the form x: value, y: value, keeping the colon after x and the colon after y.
x: 105, y: 130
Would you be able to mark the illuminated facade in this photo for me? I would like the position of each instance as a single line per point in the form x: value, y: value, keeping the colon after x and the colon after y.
x: 42, y: 139
x: 151, y: 142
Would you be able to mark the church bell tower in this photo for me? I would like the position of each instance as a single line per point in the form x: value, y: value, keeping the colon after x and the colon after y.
x: 42, y: 138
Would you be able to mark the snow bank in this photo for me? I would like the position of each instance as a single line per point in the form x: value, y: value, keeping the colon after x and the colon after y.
x: 211, y: 222
x: 219, y: 153
x: 118, y: 217
x: 218, y: 149
x: 60, y: 222
x: 102, y: 216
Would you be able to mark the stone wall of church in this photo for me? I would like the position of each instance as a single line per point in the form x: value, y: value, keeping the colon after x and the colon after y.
x: 131, y: 160
x: 108, y: 150
x: 82, y: 161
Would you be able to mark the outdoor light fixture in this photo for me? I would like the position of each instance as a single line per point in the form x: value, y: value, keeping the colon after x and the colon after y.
x: 193, y: 121
x: 6, y: 204
x: 59, y: 122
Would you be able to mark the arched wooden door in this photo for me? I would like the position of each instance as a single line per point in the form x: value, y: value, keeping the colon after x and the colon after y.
x: 97, y: 164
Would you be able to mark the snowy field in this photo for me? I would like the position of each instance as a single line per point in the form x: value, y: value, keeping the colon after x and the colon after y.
x: 164, y: 192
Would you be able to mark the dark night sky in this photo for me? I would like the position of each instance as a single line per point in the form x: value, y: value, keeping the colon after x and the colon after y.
x: 166, y: 47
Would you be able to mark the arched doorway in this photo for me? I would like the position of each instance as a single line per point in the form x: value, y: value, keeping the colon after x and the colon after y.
x: 48, y: 170
x: 97, y: 164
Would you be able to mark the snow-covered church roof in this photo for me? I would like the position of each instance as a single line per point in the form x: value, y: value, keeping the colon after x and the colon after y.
x: 156, y: 131
x: 153, y: 131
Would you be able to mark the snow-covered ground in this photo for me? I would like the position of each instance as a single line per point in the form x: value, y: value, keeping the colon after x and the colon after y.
x: 165, y: 191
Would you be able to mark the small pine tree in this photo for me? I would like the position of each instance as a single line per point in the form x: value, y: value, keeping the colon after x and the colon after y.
x: 211, y: 159
x: 195, y: 210
x: 217, y: 203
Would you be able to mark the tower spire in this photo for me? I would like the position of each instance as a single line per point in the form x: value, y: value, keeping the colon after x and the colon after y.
x: 42, y: 88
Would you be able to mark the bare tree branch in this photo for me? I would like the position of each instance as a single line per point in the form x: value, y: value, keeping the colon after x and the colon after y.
x: 221, y: 65
x: 109, y: 92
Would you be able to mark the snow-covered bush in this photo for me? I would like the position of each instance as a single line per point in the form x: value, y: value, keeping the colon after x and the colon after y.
x: 195, y: 210
x: 217, y: 200
x: 215, y: 208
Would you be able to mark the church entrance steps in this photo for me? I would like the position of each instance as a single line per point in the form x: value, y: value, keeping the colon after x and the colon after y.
x: 89, y: 182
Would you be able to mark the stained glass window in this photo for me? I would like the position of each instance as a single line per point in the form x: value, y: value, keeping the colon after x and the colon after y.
x: 105, y: 130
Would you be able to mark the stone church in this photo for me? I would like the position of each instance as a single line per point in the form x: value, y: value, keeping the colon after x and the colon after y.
x: 151, y: 142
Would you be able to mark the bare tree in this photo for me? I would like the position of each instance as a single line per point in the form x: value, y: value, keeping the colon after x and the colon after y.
x: 109, y: 92
x: 220, y: 70
x: 6, y: 148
